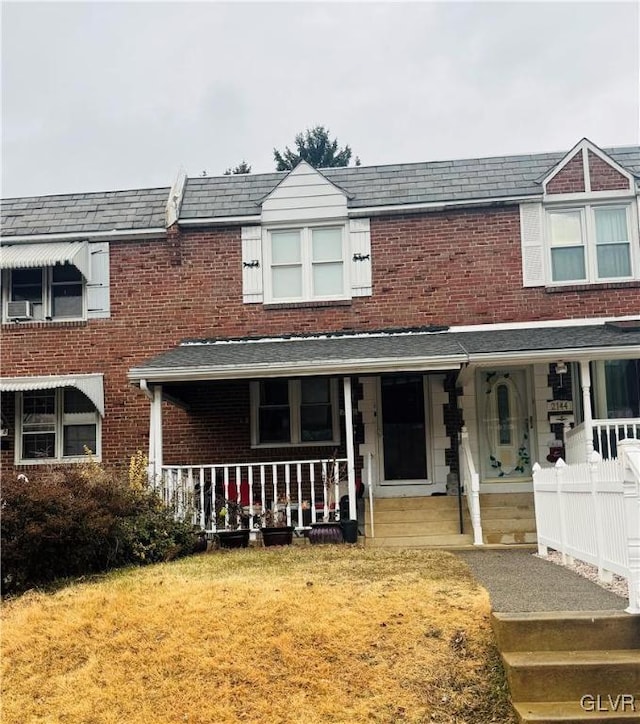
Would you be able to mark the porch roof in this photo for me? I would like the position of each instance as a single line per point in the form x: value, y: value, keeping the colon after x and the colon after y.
x: 386, y: 351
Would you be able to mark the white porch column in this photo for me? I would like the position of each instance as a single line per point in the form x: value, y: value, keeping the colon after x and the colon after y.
x: 155, y: 434
x: 351, y: 462
x: 585, y: 382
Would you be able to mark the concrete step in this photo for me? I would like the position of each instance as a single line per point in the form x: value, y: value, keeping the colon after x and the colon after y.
x: 441, y: 527
x: 419, y: 541
x: 567, y: 675
x: 425, y: 502
x: 592, y: 710
x: 416, y: 515
x: 571, y: 630
x: 496, y: 500
x: 508, y: 524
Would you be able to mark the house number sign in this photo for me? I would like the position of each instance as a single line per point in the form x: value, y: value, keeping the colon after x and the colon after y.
x: 560, y: 406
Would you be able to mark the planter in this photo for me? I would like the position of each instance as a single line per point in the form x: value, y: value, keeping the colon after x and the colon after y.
x: 349, y: 530
x: 233, y: 538
x: 325, y: 533
x: 278, y: 536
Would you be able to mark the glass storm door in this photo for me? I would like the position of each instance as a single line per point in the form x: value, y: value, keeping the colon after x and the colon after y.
x: 505, y: 445
x: 404, y: 429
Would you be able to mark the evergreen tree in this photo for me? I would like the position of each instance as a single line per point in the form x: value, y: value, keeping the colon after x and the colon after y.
x: 316, y: 148
x: 242, y: 167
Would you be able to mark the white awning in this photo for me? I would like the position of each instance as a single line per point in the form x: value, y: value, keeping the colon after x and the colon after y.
x: 22, y: 256
x: 91, y: 385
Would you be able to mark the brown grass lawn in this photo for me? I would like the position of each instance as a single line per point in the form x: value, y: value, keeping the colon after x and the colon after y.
x: 304, y: 634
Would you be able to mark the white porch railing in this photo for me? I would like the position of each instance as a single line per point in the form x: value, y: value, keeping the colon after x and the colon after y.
x: 305, y: 491
x: 607, y: 434
x: 591, y: 511
x: 471, y: 483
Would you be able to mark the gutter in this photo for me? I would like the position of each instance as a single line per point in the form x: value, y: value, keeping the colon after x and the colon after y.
x: 299, y: 369
x: 82, y: 236
x: 371, y: 210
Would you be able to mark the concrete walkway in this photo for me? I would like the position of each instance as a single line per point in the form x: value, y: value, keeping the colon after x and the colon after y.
x: 518, y: 581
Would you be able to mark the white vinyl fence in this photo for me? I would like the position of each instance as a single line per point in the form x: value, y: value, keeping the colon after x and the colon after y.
x: 591, y: 512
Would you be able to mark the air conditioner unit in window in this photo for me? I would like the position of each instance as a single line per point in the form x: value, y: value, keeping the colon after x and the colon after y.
x: 19, y: 310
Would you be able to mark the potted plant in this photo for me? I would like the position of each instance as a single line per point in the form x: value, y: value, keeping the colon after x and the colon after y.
x: 273, y: 524
x: 231, y: 515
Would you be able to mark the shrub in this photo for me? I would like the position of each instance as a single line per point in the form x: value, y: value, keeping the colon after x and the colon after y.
x: 78, y: 520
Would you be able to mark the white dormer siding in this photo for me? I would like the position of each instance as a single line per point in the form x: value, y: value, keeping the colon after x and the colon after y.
x: 306, y: 249
x: 304, y: 195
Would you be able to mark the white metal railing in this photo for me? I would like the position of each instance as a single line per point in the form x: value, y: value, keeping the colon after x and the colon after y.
x: 607, y: 434
x: 591, y: 512
x: 303, y: 491
x: 471, y: 483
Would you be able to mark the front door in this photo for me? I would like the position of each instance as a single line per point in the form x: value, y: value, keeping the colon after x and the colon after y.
x: 503, y: 409
x: 403, y: 429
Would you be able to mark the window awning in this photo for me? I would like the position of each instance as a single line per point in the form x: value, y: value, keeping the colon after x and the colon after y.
x: 24, y: 256
x: 91, y: 385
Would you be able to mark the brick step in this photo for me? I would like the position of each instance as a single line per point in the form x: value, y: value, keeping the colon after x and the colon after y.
x: 571, y: 712
x: 558, y: 631
x: 420, y: 541
x: 568, y: 675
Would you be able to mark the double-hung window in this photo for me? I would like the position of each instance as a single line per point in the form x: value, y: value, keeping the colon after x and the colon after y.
x: 53, y: 292
x: 591, y: 243
x: 295, y: 412
x: 307, y: 263
x: 59, y: 424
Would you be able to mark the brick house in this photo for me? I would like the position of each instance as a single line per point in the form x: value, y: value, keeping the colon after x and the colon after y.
x: 420, y: 324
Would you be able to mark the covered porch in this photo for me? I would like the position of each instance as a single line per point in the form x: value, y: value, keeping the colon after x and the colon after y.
x: 340, y: 426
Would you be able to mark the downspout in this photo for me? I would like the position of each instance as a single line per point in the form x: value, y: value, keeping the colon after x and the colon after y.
x: 151, y: 464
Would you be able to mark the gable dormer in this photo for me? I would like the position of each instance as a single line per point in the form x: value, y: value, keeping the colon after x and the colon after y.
x: 585, y: 229
x: 304, y: 194
x: 586, y: 169
x: 306, y: 250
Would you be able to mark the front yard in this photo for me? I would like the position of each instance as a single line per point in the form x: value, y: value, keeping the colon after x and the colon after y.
x: 306, y: 634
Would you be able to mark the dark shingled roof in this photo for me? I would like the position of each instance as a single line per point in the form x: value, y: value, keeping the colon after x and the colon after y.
x: 406, y: 183
x: 350, y: 350
x: 91, y: 212
x: 240, y: 195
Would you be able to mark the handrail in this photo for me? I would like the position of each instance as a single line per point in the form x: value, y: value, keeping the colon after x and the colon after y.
x: 471, y: 481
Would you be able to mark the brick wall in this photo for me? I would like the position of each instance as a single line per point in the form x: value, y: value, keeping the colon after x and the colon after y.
x: 604, y: 177
x: 570, y: 179
x: 457, y: 267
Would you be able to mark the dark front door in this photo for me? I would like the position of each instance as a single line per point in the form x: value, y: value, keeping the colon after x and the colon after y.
x: 403, y: 428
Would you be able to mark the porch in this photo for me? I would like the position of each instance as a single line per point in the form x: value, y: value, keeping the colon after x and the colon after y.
x: 437, y: 433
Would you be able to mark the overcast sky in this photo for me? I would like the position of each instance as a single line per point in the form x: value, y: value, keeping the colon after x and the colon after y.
x: 101, y: 96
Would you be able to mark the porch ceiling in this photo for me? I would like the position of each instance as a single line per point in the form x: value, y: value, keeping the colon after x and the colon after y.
x: 411, y: 350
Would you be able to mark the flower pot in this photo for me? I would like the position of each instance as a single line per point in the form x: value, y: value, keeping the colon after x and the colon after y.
x: 325, y: 533
x: 277, y: 536
x: 233, y: 538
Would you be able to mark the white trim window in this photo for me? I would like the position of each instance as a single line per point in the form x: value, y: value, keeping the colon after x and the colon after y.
x: 590, y: 243
x: 52, y: 292
x: 306, y: 263
x: 58, y: 424
x: 294, y: 412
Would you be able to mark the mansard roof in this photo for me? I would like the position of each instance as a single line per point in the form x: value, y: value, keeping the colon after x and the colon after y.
x: 137, y: 209
x: 366, y: 187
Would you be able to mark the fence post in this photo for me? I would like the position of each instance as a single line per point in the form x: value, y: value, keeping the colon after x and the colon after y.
x: 543, y: 550
x: 594, y: 465
x: 560, y: 471
x: 629, y: 452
